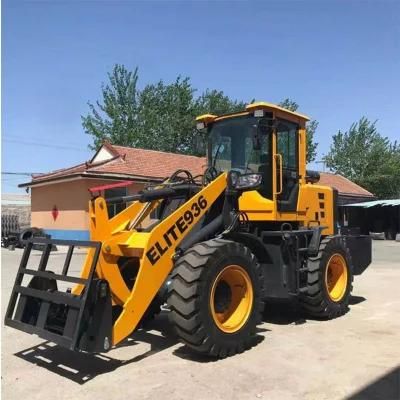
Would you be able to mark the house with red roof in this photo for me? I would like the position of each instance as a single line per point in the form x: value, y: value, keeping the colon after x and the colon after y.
x: 59, y: 199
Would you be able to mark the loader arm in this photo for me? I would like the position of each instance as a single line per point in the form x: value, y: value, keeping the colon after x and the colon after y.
x: 155, y: 250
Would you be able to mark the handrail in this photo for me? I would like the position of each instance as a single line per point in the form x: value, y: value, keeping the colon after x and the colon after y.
x: 279, y: 156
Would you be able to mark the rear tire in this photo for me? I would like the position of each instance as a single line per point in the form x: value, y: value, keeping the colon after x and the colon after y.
x: 216, y: 297
x: 329, y: 280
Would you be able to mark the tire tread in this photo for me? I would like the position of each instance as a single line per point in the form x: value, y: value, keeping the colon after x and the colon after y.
x: 185, y: 291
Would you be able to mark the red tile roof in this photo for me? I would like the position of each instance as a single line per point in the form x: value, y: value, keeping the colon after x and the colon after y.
x: 150, y: 163
x: 60, y: 172
x: 343, y: 185
x: 129, y: 163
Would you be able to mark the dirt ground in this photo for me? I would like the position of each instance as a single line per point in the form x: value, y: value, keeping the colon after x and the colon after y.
x: 354, y: 357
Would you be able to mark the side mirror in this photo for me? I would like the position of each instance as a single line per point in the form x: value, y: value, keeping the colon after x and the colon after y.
x: 200, y: 143
x: 264, y: 127
x: 256, y: 142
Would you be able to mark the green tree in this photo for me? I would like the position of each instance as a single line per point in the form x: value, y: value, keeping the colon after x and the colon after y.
x: 160, y: 117
x: 165, y: 116
x: 311, y: 128
x: 216, y: 102
x: 115, y: 119
x: 364, y: 156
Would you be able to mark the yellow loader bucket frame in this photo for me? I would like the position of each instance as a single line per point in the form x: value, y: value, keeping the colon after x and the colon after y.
x: 155, y: 249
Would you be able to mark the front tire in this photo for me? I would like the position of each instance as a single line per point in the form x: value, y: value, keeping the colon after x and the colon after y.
x: 216, y: 297
x: 329, y: 280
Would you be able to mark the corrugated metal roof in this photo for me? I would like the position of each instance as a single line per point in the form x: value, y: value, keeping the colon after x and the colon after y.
x: 382, y: 203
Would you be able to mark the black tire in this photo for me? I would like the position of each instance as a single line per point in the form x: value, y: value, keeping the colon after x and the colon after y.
x: 27, y: 234
x: 316, y: 301
x: 189, y: 297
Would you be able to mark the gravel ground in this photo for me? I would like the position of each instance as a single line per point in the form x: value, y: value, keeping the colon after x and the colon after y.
x: 356, y: 356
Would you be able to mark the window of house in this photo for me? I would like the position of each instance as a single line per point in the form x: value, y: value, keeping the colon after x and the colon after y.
x: 114, y: 209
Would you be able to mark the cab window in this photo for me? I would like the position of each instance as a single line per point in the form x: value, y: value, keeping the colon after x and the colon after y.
x: 287, y: 144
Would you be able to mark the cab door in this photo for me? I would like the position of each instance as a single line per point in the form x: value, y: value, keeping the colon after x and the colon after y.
x: 287, y: 165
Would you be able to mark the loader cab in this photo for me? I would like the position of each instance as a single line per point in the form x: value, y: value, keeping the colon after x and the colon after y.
x: 266, y: 139
x: 243, y: 144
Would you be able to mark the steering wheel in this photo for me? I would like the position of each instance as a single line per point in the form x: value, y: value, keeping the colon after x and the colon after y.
x: 177, y: 177
x: 209, y: 175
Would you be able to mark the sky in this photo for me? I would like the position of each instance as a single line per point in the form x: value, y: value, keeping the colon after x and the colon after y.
x: 339, y: 60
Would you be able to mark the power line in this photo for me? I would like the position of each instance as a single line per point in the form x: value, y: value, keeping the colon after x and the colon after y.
x: 43, y: 139
x: 53, y: 146
x: 13, y: 181
x: 20, y: 173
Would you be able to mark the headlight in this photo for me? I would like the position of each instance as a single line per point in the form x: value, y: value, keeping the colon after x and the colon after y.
x: 248, y: 181
x: 233, y: 177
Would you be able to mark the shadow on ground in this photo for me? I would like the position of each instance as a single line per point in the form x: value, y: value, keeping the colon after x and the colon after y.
x: 386, y: 387
x: 83, y: 367
x: 356, y: 300
x: 278, y: 312
x: 283, y: 313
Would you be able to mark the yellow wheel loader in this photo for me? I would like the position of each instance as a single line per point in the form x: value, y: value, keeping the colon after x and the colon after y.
x: 255, y: 226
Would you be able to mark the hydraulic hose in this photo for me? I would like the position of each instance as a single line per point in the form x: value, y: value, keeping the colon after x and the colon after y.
x: 201, y: 234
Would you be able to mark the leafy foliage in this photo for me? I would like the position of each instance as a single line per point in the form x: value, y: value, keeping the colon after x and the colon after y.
x: 159, y: 117
x: 311, y: 128
x: 215, y: 102
x: 115, y: 119
x: 289, y: 104
x: 364, y: 156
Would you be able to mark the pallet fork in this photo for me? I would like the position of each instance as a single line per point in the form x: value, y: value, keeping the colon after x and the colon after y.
x: 78, y: 322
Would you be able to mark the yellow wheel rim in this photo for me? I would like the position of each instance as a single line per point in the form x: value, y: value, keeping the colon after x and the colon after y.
x: 231, y: 298
x: 336, y: 277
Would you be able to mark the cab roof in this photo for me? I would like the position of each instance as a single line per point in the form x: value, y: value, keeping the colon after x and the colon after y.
x: 261, y: 105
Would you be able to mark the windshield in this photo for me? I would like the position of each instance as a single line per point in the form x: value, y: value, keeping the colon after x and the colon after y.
x: 238, y: 143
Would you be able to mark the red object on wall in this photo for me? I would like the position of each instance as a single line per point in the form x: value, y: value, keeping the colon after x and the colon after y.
x: 54, y: 212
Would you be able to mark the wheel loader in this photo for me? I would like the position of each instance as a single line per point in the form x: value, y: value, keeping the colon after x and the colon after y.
x: 255, y: 226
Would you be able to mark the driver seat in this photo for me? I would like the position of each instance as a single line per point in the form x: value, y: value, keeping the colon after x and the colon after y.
x: 265, y: 170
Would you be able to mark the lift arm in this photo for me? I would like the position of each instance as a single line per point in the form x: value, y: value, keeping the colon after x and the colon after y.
x: 155, y: 248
